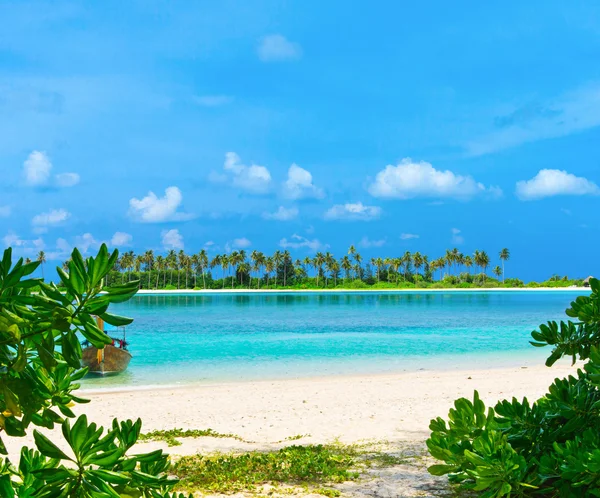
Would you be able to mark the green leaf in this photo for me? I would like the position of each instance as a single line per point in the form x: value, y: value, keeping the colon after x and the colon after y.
x: 116, y: 320
x: 47, y: 447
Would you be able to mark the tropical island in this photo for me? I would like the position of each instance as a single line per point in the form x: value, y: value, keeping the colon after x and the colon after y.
x: 240, y: 270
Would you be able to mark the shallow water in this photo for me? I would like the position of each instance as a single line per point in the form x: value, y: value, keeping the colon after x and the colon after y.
x: 214, y: 337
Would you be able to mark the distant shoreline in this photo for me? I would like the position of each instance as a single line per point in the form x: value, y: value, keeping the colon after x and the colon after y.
x: 151, y: 292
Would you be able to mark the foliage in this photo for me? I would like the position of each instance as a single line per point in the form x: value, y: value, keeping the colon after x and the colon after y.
x: 312, y: 464
x: 550, y: 447
x: 170, y: 435
x: 40, y: 358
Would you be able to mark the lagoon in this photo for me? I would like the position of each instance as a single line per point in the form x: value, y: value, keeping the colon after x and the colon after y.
x: 216, y: 337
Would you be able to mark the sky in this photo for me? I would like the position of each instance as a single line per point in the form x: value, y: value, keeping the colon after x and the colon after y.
x: 306, y: 126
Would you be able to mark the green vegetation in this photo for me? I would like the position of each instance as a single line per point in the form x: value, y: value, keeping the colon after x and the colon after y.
x: 310, y: 465
x: 170, y: 435
x: 550, y: 447
x: 40, y: 358
x: 238, y: 270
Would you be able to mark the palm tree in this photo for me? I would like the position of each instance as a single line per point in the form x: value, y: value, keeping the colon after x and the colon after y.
x: 346, y: 265
x: 286, y: 257
x: 484, y: 261
x: 160, y: 262
x: 203, y: 262
x: 318, y: 262
x: 504, y: 256
x: 269, y: 267
x: 357, y: 266
x: 417, y: 261
x: 468, y: 263
x: 149, y: 261
x: 407, y: 262
x: 171, y: 263
x: 41, y: 257
x: 497, y: 271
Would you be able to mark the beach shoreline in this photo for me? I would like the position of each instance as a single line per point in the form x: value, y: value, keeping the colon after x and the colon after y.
x: 349, y: 409
x: 150, y: 292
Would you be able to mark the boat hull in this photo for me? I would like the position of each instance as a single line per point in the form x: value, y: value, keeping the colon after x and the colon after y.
x: 112, y: 360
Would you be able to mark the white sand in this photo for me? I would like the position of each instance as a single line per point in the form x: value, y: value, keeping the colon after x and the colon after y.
x: 391, y: 408
x: 278, y: 291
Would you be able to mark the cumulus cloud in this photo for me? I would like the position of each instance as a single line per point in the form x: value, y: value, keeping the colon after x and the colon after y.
x: 299, y: 184
x: 54, y: 217
x: 121, y: 239
x: 457, y: 238
x: 11, y: 239
x: 551, y: 182
x: 67, y: 179
x: 277, y: 48
x: 298, y: 242
x: 37, y: 172
x: 353, y: 212
x: 241, y: 243
x: 154, y: 209
x: 213, y: 100
x: 366, y: 242
x: 86, y: 242
x: 411, y: 179
x: 254, y: 178
x: 408, y: 236
x: 5, y: 211
x: 36, y: 169
x: 172, y: 239
x: 282, y: 214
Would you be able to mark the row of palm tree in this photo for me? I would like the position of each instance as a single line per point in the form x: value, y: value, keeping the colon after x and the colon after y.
x: 182, y: 270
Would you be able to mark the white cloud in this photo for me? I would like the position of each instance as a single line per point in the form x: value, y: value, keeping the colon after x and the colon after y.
x: 36, y: 168
x: 551, y: 182
x: 570, y: 113
x: 54, y: 217
x: 172, y: 239
x: 86, y: 242
x: 299, y: 184
x: 154, y: 209
x: 420, y: 179
x: 282, y: 214
x: 253, y: 178
x: 67, y: 179
x: 241, y: 243
x: 213, y: 100
x: 298, y: 242
x: 277, y: 48
x: 353, y: 212
x: 457, y: 239
x: 366, y: 242
x: 408, y: 236
x: 5, y: 211
x: 11, y: 239
x: 121, y: 239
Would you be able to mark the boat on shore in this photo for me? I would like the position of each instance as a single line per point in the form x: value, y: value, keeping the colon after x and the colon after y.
x: 111, y: 360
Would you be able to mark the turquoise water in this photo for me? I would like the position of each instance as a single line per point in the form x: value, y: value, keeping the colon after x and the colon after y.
x: 215, y: 337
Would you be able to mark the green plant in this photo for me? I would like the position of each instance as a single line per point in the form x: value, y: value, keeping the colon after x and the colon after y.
x: 40, y: 358
x: 547, y: 448
x: 311, y: 464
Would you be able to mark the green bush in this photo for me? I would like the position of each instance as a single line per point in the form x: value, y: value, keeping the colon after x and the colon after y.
x: 40, y: 357
x: 550, y: 447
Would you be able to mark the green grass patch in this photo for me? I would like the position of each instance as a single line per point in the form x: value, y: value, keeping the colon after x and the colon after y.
x: 308, y: 465
x: 169, y: 436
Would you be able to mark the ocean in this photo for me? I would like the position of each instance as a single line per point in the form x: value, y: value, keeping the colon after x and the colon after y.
x: 186, y: 338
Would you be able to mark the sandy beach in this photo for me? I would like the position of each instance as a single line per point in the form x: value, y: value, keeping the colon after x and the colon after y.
x: 389, y: 411
x: 309, y: 291
x: 391, y: 407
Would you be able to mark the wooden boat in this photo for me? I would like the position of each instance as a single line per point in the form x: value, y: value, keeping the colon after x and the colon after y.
x: 112, y: 359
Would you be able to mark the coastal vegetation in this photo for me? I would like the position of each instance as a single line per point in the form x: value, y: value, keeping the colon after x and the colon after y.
x: 255, y: 270
x: 293, y: 465
x: 549, y: 447
x: 40, y: 366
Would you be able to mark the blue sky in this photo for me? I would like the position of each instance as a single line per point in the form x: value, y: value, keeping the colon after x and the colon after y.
x: 303, y: 125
